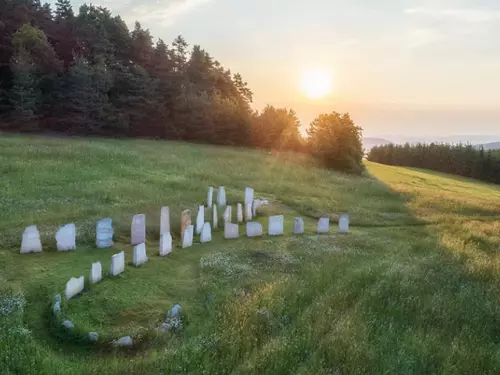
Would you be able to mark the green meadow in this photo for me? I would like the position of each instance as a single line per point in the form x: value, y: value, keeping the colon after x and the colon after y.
x: 414, y: 288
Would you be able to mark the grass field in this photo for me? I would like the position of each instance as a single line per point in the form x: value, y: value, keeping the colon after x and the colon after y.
x: 413, y: 289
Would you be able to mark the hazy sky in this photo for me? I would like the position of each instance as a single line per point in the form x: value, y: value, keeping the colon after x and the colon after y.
x: 399, y: 66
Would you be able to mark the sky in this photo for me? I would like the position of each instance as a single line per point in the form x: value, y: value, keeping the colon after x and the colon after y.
x: 412, y: 67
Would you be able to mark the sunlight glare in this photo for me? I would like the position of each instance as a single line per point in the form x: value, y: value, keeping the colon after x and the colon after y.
x: 316, y: 83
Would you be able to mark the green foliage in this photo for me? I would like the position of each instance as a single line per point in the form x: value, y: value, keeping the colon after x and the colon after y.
x: 24, y: 95
x: 335, y: 140
x: 277, y: 128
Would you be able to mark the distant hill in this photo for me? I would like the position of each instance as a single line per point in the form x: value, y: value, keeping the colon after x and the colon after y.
x: 369, y: 143
x: 492, y: 146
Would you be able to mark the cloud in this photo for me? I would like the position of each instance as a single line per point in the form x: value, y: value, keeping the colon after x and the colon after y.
x: 424, y: 36
x: 165, y: 12
x: 469, y: 15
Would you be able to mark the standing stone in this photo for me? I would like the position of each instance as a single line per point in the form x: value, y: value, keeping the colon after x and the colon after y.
x: 344, y: 223
x: 31, y: 240
x: 165, y: 244
x: 96, y: 273
x: 200, y: 219
x: 298, y: 226
x: 104, y: 233
x: 228, y: 214
x: 74, y: 286
x: 239, y: 213
x: 187, y: 238
x: 118, y: 263
x: 255, y: 207
x: 215, y: 217
x: 210, y: 196
x: 276, y: 224
x: 185, y: 222
x: 206, y: 233
x: 164, y: 220
x: 248, y: 212
x: 254, y: 229
x: 221, y: 197
x: 66, y: 238
x: 323, y: 225
x: 138, y: 229
x: 140, y: 256
x: 248, y: 195
x: 231, y: 231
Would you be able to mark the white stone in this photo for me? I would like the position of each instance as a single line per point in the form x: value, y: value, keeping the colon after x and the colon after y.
x: 93, y: 336
x: 138, y: 230
x: 140, y: 256
x: 66, y: 237
x: 74, y: 286
x: 206, y: 233
x: 239, y: 213
x: 276, y: 224
x: 104, y: 233
x: 254, y: 229
x: 187, y: 240
x: 221, y: 196
x: 165, y: 244
x: 298, y: 226
x: 96, y: 273
x: 200, y: 219
x: 185, y: 222
x: 215, y: 217
x: 231, y: 231
x: 164, y: 220
x: 57, y: 307
x: 228, y: 214
x: 210, y: 196
x: 324, y: 225
x: 248, y: 195
x: 264, y: 202
x: 344, y: 223
x: 117, y: 264
x: 68, y: 324
x: 248, y: 212
x: 255, y: 207
x: 31, y: 241
x: 125, y: 341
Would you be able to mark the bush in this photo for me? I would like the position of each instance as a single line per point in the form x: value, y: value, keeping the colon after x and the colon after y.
x: 335, y: 140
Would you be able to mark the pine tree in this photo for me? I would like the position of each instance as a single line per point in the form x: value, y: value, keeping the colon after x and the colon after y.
x: 24, y: 96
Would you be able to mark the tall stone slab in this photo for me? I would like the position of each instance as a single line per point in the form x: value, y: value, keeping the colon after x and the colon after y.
x: 344, y: 223
x: 74, y: 286
x: 254, y: 229
x: 231, y: 231
x: 215, y: 217
x: 323, y: 225
x: 255, y: 207
x: 206, y: 233
x: 210, y: 196
x: 165, y: 244
x: 164, y: 220
x: 140, y: 256
x: 185, y: 222
x: 104, y: 233
x: 117, y: 264
x: 66, y: 237
x: 248, y: 212
x: 187, y: 238
x: 200, y: 219
x: 221, y: 196
x: 31, y: 241
x: 239, y: 213
x: 138, y: 229
x: 228, y: 214
x: 276, y: 225
x: 248, y: 195
x: 298, y: 226
x: 96, y: 273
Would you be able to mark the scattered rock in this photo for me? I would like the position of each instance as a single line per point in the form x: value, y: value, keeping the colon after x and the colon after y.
x: 93, y: 336
x: 125, y: 341
x: 175, y: 311
x: 165, y: 327
x: 57, y: 307
x: 68, y: 324
x: 57, y: 298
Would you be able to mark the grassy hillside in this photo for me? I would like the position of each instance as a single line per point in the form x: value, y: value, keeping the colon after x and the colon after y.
x: 412, y: 289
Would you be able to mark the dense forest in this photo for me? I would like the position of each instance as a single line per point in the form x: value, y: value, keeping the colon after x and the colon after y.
x: 86, y: 73
x: 459, y: 159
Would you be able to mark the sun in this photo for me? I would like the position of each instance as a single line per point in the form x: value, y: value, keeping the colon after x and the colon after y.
x: 317, y: 83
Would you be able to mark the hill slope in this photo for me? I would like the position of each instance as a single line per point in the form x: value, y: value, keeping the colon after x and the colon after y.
x: 492, y: 146
x: 412, y: 289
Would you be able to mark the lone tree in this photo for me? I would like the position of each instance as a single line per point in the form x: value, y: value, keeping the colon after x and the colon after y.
x: 335, y: 140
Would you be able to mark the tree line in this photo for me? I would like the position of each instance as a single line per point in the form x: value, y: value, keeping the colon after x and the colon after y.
x: 86, y: 73
x: 458, y: 159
